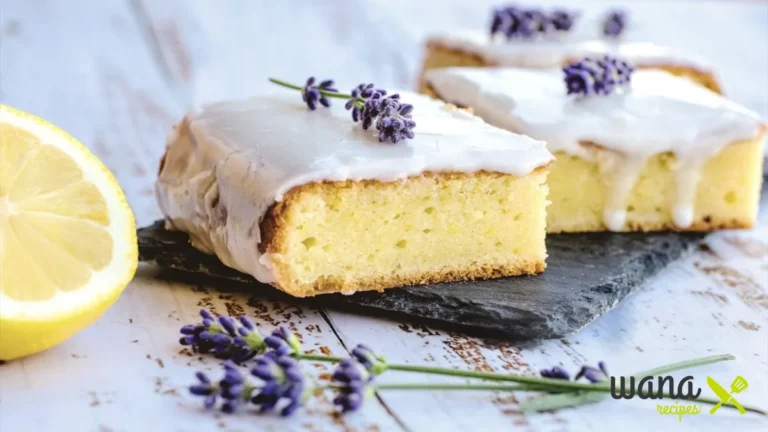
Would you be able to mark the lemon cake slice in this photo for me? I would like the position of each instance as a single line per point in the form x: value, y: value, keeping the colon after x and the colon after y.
x: 480, y: 49
x: 661, y: 154
x: 308, y: 202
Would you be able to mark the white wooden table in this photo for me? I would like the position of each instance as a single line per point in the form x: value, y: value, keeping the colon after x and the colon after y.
x: 118, y: 73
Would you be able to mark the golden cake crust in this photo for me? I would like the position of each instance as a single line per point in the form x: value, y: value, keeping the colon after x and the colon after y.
x: 440, y: 56
x: 278, y: 221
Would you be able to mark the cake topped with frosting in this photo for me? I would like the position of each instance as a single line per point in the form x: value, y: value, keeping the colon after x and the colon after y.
x: 303, y: 194
x: 643, y: 150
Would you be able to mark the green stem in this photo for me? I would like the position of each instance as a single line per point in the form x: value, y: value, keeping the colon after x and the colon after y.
x: 494, y: 387
x: 491, y: 376
x: 336, y: 95
x: 685, y: 364
x: 315, y: 357
x: 535, y: 381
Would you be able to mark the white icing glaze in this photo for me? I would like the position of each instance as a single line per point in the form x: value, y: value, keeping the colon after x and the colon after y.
x: 546, y: 53
x: 227, y: 164
x: 658, y: 113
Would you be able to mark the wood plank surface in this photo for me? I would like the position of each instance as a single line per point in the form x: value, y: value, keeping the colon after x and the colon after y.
x: 117, y: 74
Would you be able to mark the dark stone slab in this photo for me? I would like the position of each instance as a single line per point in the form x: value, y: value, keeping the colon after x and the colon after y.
x: 587, y: 275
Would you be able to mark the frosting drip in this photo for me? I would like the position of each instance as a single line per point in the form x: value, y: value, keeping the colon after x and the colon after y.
x: 545, y: 53
x: 658, y: 113
x: 227, y: 164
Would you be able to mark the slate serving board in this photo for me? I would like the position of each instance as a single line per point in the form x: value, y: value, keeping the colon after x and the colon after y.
x: 587, y: 275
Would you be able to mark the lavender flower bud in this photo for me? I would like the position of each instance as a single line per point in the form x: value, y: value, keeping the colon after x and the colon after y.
x: 222, y: 337
x: 327, y: 85
x: 562, y: 20
x: 311, y: 93
x: 188, y: 329
x: 597, y: 77
x: 247, y: 323
x: 354, y: 384
x: 614, y: 23
x: 228, y: 324
x: 592, y: 374
x: 283, y: 341
x: 556, y: 373
x: 517, y: 23
x: 375, y: 364
x: 205, y: 389
x: 282, y: 381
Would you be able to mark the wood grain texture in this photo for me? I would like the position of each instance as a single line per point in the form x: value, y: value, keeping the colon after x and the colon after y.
x: 116, y: 74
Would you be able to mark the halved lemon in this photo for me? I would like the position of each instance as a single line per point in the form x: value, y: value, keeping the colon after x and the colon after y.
x: 67, y: 235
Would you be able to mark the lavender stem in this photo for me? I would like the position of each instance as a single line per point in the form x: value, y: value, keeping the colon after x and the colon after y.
x: 535, y: 381
x: 336, y: 95
x: 492, y: 387
x: 541, y: 383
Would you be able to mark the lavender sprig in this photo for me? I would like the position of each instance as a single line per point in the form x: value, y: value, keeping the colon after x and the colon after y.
x: 597, y: 76
x: 369, y: 105
x: 353, y: 380
x: 282, y: 382
x: 392, y: 118
x: 614, y: 23
x: 222, y: 336
x: 282, y: 342
x: 514, y: 22
x: 211, y: 335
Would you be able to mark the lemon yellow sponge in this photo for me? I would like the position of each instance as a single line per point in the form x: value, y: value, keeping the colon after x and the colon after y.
x: 436, y: 227
x: 727, y: 195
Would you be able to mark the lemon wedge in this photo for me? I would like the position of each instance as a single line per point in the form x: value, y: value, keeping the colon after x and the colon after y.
x: 67, y: 235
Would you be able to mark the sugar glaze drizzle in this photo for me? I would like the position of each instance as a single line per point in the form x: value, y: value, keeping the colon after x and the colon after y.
x: 658, y: 113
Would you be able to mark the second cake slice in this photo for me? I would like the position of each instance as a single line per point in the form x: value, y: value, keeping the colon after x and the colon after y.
x: 662, y: 153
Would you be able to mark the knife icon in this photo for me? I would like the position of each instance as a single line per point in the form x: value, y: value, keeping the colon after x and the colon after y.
x: 738, y: 384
